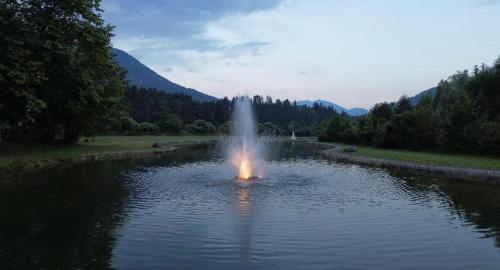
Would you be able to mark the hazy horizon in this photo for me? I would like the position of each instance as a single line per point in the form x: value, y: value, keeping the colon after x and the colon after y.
x: 352, y: 53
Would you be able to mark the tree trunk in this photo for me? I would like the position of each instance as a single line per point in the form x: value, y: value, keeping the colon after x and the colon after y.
x: 49, y: 133
x: 71, y: 133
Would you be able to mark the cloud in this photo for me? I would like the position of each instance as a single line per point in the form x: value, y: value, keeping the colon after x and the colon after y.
x: 181, y: 19
x: 253, y: 48
x: 302, y: 49
x: 175, y: 30
x: 311, y: 72
x: 163, y: 51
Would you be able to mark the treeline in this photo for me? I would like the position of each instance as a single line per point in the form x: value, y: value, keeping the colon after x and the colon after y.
x: 174, y: 111
x: 58, y: 80
x: 463, y: 116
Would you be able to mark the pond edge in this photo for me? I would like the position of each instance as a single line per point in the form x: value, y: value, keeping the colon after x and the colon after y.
x: 458, y: 173
x: 65, y: 162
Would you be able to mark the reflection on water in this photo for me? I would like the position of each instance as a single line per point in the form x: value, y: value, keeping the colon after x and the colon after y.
x: 476, y: 204
x: 186, y: 212
x: 243, y: 199
x: 61, y: 221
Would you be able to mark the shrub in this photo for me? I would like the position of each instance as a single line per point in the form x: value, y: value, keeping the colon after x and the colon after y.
x: 269, y: 128
x: 115, y: 125
x: 148, y: 127
x: 128, y: 124
x: 226, y: 128
x: 201, y: 127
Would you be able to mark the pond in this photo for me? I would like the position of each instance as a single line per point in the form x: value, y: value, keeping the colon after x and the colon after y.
x: 186, y: 211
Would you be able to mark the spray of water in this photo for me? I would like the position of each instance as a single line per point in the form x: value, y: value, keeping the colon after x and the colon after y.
x: 245, y: 148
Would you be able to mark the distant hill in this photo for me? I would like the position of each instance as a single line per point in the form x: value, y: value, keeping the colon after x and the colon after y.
x: 141, y: 76
x: 338, y: 108
x: 415, y: 99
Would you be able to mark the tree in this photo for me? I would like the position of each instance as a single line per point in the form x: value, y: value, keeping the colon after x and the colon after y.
x: 145, y: 104
x: 21, y: 73
x: 128, y: 124
x: 403, y: 105
x: 458, y: 115
x: 425, y: 127
x: 365, y: 129
x: 167, y: 121
x: 57, y: 71
x: 336, y: 129
x: 484, y: 86
x: 201, y: 127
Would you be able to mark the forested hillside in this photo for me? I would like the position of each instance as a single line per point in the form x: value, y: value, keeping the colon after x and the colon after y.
x: 143, y: 77
x: 282, y: 117
x: 462, y: 116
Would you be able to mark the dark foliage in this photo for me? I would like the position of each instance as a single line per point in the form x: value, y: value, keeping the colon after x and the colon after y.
x: 201, y: 127
x: 462, y: 116
x: 277, y: 117
x: 56, y: 72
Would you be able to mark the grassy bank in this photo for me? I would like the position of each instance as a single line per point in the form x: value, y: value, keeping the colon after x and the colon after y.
x: 15, y: 156
x: 20, y: 156
x: 429, y: 158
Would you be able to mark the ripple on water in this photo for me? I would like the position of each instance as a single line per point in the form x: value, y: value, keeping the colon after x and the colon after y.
x: 304, y: 214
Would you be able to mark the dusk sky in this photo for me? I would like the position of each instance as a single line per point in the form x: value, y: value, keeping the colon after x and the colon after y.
x: 353, y: 53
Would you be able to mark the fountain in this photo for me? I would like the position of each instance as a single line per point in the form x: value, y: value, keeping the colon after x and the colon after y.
x: 293, y: 136
x: 245, y: 150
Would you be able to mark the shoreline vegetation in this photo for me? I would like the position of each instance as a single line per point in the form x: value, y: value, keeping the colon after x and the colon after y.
x: 22, y: 157
x: 15, y: 157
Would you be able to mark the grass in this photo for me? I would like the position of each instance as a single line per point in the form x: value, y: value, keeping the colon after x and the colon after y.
x: 21, y: 156
x: 430, y: 158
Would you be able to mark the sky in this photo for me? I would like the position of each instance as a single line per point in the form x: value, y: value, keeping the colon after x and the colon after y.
x: 351, y: 52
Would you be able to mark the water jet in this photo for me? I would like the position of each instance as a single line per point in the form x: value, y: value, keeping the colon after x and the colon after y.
x: 245, y: 149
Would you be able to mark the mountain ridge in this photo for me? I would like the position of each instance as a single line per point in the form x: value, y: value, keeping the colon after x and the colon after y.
x: 338, y: 108
x: 416, y: 98
x: 140, y: 75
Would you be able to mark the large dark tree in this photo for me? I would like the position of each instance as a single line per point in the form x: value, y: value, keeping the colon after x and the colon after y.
x: 57, y: 71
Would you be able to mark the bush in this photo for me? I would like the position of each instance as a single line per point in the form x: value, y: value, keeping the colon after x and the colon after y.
x: 226, y: 128
x: 115, y: 125
x: 201, y: 127
x: 489, y: 141
x: 128, y: 124
x: 269, y: 128
x: 148, y: 127
x: 304, y: 132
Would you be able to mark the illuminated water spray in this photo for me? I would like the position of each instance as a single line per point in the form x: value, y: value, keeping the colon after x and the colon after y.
x: 245, y: 153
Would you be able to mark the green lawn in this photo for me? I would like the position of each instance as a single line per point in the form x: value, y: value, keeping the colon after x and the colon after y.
x: 20, y: 156
x: 429, y: 158
x: 13, y: 155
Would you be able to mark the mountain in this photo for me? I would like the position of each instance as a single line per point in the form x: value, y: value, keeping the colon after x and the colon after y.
x: 338, y: 108
x: 141, y: 76
x: 415, y: 99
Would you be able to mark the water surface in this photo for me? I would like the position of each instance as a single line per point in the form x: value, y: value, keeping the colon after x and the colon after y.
x: 187, y: 212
